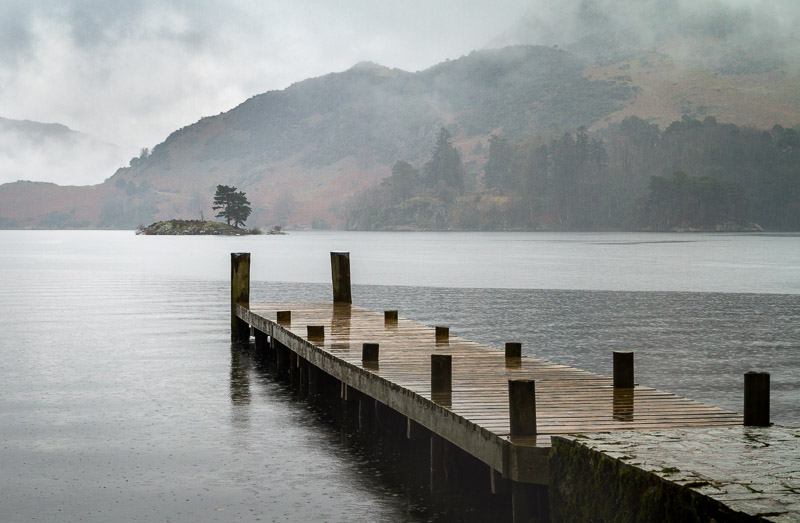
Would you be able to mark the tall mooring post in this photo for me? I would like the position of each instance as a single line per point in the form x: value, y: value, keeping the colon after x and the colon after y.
x: 756, y: 399
x: 340, y: 274
x: 623, y: 369
x: 240, y: 293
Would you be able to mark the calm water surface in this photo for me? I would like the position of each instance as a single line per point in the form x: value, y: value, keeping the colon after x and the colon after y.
x: 121, y: 398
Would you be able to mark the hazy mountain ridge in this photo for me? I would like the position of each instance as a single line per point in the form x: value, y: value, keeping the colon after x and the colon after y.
x: 301, y: 151
x: 51, y: 152
x: 320, y: 140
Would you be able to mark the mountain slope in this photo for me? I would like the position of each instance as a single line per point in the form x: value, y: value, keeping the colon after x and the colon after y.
x: 301, y: 152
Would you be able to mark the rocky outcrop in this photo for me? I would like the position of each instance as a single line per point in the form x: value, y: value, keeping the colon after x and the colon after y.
x: 194, y: 227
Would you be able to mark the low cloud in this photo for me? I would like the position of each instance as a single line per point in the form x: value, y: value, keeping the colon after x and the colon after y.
x: 65, y: 158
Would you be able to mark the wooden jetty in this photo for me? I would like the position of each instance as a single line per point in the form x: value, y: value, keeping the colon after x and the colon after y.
x: 500, y: 407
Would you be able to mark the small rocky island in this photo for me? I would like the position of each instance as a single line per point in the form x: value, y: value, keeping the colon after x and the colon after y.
x: 200, y: 227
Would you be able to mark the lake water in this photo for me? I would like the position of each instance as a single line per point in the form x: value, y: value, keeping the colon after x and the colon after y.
x: 121, y: 398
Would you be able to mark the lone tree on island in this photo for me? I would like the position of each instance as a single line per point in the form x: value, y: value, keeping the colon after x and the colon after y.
x: 234, y: 205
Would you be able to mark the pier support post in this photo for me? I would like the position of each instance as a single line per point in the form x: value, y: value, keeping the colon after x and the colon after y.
x: 240, y: 293
x: 302, y: 368
x: 438, y: 473
x: 340, y: 273
x: 623, y: 369
x: 442, y: 334
x: 390, y: 316
x: 756, y: 399
x: 262, y: 342
x: 294, y: 369
x: 314, y: 379
x: 522, y: 407
x: 282, y: 358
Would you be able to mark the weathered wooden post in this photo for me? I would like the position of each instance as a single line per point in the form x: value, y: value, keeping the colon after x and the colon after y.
x: 525, y: 501
x: 370, y: 354
x: 513, y: 355
x: 284, y: 316
x: 756, y: 399
x: 442, y: 335
x: 513, y: 349
x: 623, y: 369
x: 522, y: 407
x: 441, y: 375
x: 240, y: 293
x: 340, y: 273
x: 315, y: 332
x: 390, y: 316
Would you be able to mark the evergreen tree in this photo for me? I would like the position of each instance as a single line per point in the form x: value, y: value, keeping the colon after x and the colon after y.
x: 444, y: 171
x: 233, y: 205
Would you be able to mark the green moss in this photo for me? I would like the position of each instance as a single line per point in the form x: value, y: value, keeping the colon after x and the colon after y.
x: 586, y: 485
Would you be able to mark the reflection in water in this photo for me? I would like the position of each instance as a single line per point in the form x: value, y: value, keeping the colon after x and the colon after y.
x: 371, y: 446
x: 340, y: 323
x: 443, y: 398
x: 623, y: 404
x: 240, y: 388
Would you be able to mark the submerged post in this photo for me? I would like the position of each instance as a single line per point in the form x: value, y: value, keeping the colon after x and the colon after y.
x: 240, y: 293
x: 623, y: 369
x: 340, y: 273
x: 522, y: 407
x: 756, y: 399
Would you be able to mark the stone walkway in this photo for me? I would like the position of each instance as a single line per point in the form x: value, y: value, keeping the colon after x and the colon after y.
x: 752, y: 470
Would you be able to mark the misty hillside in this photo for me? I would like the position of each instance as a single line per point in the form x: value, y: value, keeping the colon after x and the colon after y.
x: 302, y: 152
x: 51, y: 151
x: 299, y: 151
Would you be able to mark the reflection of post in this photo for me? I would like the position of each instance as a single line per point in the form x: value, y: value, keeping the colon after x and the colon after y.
x: 340, y: 273
x: 623, y: 404
x: 240, y: 379
x: 340, y: 324
x: 240, y: 293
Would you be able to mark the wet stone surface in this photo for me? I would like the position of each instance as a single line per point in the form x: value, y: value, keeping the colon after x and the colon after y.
x: 750, y: 469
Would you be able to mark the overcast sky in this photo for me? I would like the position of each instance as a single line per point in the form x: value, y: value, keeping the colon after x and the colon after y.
x: 131, y: 72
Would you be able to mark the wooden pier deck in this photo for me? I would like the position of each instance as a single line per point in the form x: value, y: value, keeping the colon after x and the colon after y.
x: 475, y: 415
